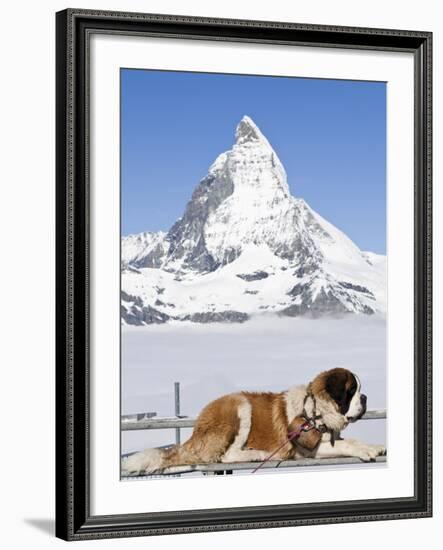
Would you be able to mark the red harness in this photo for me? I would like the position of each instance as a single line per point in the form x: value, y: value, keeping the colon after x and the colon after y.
x: 292, y: 436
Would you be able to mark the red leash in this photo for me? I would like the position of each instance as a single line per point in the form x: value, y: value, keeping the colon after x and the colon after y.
x: 292, y: 436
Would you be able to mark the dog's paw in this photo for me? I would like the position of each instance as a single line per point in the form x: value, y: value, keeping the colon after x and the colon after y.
x: 366, y: 454
x: 369, y: 453
x: 381, y: 450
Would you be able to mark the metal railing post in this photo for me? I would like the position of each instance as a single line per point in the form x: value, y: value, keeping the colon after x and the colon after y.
x: 177, y: 409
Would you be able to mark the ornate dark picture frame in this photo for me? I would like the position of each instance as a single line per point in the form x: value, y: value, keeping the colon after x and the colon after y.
x: 74, y: 520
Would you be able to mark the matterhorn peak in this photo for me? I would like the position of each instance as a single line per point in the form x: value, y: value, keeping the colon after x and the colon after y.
x: 244, y: 246
x: 248, y: 131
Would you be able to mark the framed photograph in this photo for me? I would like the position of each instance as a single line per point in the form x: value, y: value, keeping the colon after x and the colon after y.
x: 243, y: 274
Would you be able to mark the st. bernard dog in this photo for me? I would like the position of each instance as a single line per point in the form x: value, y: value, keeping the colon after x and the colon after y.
x: 250, y: 426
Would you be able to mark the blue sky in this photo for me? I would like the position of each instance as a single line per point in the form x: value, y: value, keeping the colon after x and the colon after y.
x: 329, y: 134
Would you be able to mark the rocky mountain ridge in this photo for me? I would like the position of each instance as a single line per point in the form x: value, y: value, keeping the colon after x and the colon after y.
x: 245, y: 246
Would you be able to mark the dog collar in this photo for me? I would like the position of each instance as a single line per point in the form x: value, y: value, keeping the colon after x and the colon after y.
x: 314, y: 418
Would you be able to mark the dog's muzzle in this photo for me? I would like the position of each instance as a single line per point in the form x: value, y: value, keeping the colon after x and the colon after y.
x: 363, y: 401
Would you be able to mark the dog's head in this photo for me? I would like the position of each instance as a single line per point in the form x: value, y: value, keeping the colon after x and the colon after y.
x: 343, y: 389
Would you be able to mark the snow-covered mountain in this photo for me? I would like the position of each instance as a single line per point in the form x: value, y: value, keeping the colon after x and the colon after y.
x: 245, y: 246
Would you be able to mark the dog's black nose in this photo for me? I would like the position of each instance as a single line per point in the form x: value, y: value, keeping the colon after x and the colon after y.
x: 363, y: 399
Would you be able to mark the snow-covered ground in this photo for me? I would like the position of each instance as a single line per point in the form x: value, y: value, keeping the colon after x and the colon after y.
x: 267, y: 353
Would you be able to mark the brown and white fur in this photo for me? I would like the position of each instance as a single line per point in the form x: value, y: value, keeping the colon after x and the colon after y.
x: 249, y: 426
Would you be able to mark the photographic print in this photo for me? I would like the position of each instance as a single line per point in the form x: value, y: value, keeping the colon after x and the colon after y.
x: 253, y: 273
x: 244, y: 274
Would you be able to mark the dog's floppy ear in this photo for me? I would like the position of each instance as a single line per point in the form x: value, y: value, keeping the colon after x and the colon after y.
x: 336, y: 388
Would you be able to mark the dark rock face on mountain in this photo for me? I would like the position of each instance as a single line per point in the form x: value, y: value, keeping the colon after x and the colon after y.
x: 186, y: 237
x: 245, y: 246
x: 257, y: 276
x: 138, y: 314
x: 217, y: 317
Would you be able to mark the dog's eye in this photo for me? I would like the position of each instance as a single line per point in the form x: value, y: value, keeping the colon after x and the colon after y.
x: 352, y: 391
